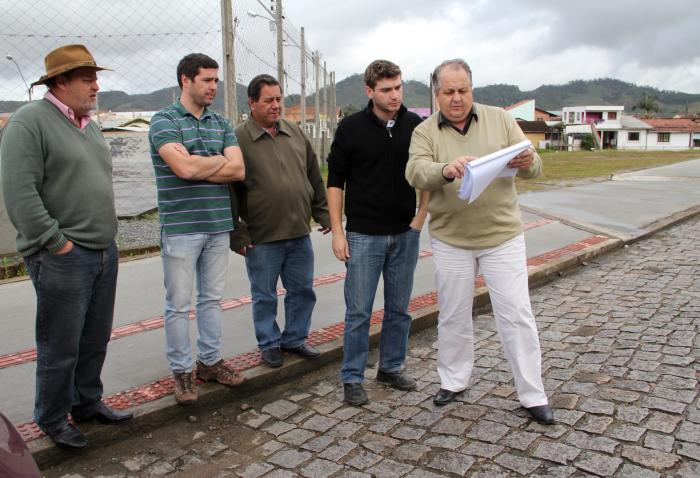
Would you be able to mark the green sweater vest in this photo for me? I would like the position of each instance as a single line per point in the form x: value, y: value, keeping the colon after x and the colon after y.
x: 56, y: 180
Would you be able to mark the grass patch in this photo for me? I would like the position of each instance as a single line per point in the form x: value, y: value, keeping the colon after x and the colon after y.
x: 567, y: 168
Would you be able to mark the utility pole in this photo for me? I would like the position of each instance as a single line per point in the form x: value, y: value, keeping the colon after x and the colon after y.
x: 317, y: 104
x: 227, y: 35
x: 325, y: 111
x: 302, y: 104
x: 279, y: 23
x: 334, y: 107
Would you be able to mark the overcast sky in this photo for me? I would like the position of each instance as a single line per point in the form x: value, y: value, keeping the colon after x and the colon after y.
x: 523, y: 42
x: 527, y: 43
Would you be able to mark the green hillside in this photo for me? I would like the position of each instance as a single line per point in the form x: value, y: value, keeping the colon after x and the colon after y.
x: 350, y: 96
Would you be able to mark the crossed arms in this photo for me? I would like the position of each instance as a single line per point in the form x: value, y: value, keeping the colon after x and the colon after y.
x: 224, y: 168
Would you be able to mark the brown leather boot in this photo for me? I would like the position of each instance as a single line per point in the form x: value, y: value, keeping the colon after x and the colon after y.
x: 219, y: 372
x: 185, y: 388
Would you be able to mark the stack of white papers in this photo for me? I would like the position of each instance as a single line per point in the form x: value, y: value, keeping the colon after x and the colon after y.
x: 481, y: 172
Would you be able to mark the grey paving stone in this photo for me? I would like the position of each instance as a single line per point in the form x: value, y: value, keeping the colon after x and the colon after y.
x: 485, y: 450
x: 663, y: 404
x: 412, y: 452
x: 691, y: 450
x: 631, y: 413
x: 389, y: 469
x: 408, y: 433
x: 625, y: 432
x: 280, y: 409
x: 550, y: 431
x: 320, y: 423
x: 252, y: 418
x: 378, y: 443
x: 269, y: 447
x: 689, y: 432
x: 338, y: 451
x: 556, y: 452
x: 296, y: 437
x: 344, y: 430
x: 320, y: 469
x: 254, y: 470
x: 289, y: 458
x: 663, y: 422
x: 422, y: 474
x: 618, y: 395
x: 277, y: 428
x: 452, y: 462
x: 591, y: 442
x: 595, y: 424
x: 450, y: 426
x: 593, y: 405
x: 319, y: 443
x: 518, y: 464
x: 554, y: 472
x: 345, y: 413
x: 404, y: 413
x: 469, y: 412
x: 425, y: 418
x: 519, y: 440
x: 659, y: 442
x: 487, y: 431
x: 633, y: 471
x: 159, y: 468
x: 444, y: 441
x: 364, y: 459
x: 325, y: 405
x: 597, y: 463
x: 570, y: 417
x: 280, y: 473
x: 649, y: 458
x: 384, y: 425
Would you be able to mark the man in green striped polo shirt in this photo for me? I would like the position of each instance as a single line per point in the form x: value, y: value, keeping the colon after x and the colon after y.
x: 195, y: 155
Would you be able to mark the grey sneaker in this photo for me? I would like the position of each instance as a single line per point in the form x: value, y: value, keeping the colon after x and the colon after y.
x: 185, y: 388
x: 397, y: 380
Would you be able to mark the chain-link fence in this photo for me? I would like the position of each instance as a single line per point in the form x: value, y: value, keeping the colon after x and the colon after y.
x: 143, y: 42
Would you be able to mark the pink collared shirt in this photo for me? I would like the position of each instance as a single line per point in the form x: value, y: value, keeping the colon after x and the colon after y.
x: 81, y: 122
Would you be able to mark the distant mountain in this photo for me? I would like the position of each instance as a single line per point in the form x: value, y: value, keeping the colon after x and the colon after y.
x: 350, y: 96
x: 606, y: 91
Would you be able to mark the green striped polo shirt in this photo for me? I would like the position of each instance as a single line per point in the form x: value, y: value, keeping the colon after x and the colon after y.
x: 184, y: 206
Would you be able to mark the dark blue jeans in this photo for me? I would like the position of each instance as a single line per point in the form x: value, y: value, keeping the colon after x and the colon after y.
x: 292, y: 260
x: 394, y: 257
x: 75, y: 307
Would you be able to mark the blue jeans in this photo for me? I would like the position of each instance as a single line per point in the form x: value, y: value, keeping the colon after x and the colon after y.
x: 189, y: 260
x: 395, y: 257
x: 292, y: 260
x: 75, y: 307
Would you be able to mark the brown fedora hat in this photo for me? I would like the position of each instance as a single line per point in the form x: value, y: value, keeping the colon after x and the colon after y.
x: 67, y: 58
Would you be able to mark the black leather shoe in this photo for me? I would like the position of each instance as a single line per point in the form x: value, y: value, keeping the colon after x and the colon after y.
x: 103, y: 414
x: 354, y: 394
x: 542, y: 413
x: 304, y: 351
x: 67, y: 436
x: 273, y: 357
x: 443, y: 397
x: 397, y: 380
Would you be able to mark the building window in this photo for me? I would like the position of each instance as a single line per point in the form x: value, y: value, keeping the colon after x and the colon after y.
x: 663, y: 137
x: 578, y: 117
x: 633, y: 136
x: 696, y: 143
x: 571, y: 116
x: 612, y: 115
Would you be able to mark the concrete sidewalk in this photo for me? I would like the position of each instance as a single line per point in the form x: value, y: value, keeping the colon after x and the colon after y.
x: 563, y: 228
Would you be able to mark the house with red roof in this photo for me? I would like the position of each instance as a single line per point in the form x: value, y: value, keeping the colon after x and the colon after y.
x: 673, y: 133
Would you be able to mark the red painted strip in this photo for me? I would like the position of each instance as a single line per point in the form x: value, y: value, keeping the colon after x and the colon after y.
x: 29, y: 355
x: 164, y: 386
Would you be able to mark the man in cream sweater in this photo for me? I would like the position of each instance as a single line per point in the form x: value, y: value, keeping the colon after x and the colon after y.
x: 484, y: 236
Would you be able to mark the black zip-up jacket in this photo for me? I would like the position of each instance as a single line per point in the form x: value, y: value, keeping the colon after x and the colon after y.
x: 368, y: 160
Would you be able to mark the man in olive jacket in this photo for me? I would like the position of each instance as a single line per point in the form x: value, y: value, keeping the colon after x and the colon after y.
x: 284, y: 191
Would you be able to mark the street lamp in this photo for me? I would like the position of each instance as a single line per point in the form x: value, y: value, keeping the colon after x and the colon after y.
x: 29, y: 90
x: 257, y: 15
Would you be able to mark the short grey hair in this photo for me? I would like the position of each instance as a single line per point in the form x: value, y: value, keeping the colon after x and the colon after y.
x: 456, y: 64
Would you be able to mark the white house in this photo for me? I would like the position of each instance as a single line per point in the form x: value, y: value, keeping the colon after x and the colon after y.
x: 673, y: 133
x: 603, y: 122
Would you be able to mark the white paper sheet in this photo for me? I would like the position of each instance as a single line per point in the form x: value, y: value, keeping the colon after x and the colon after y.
x: 479, y: 173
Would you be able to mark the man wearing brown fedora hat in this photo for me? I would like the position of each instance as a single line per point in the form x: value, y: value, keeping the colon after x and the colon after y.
x: 57, y: 183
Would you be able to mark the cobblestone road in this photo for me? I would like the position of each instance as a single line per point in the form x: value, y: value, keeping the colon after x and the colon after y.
x: 620, y: 348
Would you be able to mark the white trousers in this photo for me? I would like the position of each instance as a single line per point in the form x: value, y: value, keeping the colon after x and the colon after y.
x: 504, y: 268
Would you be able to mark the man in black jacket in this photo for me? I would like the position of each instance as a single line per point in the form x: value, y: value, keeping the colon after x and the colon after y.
x: 368, y: 159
